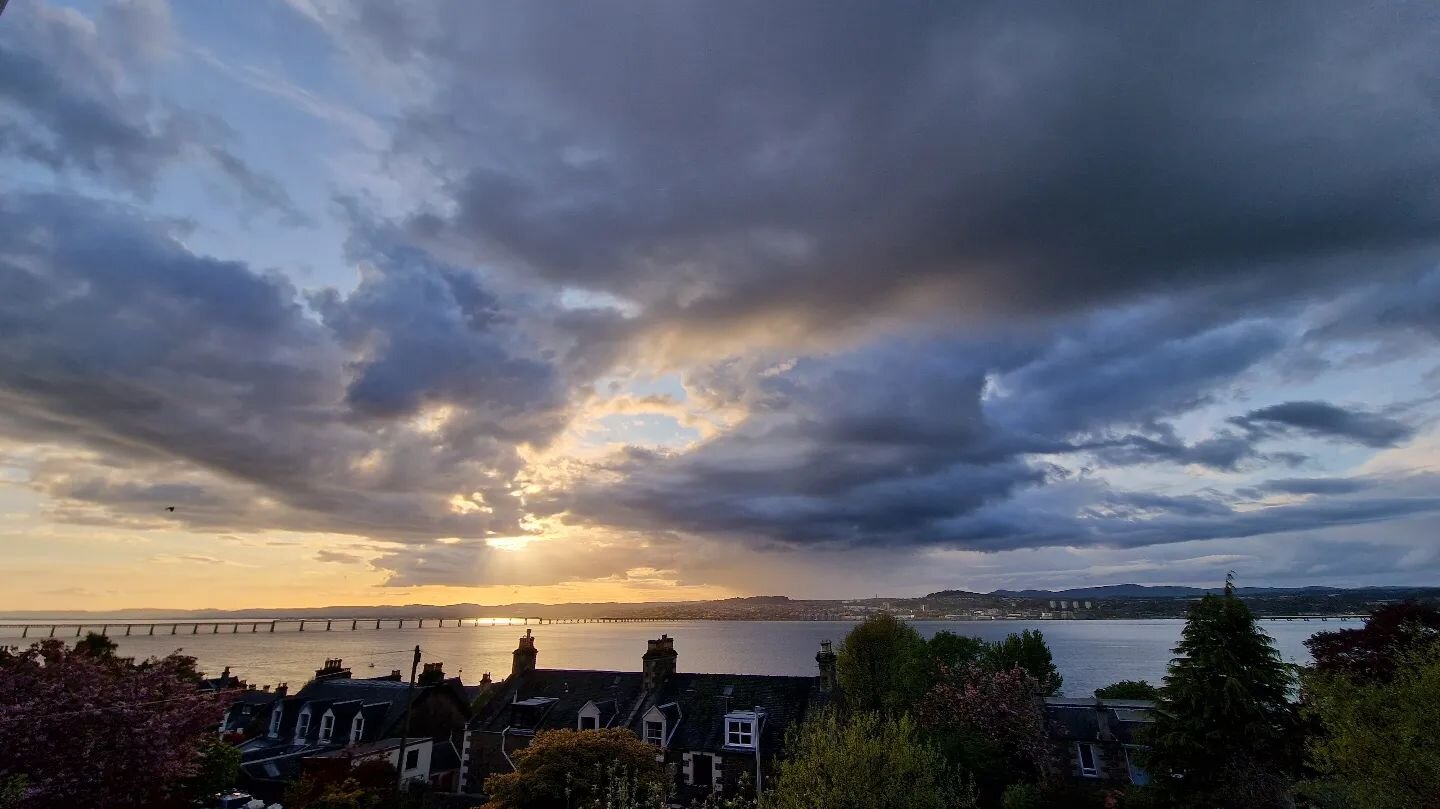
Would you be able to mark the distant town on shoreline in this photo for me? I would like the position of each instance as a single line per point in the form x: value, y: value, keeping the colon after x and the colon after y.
x: 1117, y: 601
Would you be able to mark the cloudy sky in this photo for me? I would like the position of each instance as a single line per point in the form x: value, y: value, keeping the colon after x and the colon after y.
x: 531, y: 301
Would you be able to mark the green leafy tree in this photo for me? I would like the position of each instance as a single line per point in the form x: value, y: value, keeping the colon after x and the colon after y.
x: 567, y: 768
x: 866, y: 761
x: 988, y: 723
x: 217, y: 769
x: 1377, y: 747
x: 882, y: 665
x: 1225, y: 735
x: 1128, y: 689
x: 12, y: 791
x: 96, y: 645
x: 1028, y: 651
x: 947, y: 650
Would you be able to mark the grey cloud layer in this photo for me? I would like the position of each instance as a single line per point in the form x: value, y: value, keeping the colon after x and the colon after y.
x: 206, y: 385
x: 833, y: 162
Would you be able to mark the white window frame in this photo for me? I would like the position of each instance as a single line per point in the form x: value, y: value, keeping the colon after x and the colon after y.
x: 593, y: 720
x: 327, y: 726
x: 659, y: 737
x: 745, y: 727
x: 276, y: 714
x: 357, y: 728
x: 1094, y: 770
x: 739, y: 732
x: 302, y: 724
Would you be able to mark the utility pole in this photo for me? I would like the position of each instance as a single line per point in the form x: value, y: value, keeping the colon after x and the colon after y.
x: 405, y: 725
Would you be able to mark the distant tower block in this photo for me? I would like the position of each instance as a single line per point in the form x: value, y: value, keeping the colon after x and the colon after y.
x: 1053, y: 604
x: 1087, y: 605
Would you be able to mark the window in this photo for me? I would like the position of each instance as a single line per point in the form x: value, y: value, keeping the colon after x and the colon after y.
x: 1087, y: 759
x: 739, y: 732
x: 655, y: 732
x: 302, y: 725
x: 275, y: 721
x: 357, y: 729
x: 327, y: 726
x: 1138, y: 776
x: 412, y: 759
x: 588, y: 723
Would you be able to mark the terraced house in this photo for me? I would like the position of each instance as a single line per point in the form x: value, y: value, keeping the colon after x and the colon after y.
x: 339, y: 720
x: 720, y: 732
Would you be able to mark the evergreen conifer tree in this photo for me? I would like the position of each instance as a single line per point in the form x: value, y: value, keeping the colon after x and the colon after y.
x: 1227, y: 734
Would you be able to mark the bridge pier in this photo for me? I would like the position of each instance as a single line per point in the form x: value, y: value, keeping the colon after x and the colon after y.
x: 355, y: 624
x: 302, y: 626
x: 377, y: 623
x: 327, y: 626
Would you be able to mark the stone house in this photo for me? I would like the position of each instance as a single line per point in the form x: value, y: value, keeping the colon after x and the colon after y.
x: 717, y: 731
x: 1099, y: 740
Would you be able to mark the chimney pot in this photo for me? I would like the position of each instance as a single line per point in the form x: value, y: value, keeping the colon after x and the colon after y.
x: 658, y: 662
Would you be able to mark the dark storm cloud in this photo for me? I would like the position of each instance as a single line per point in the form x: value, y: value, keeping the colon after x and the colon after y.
x: 205, y: 385
x: 1324, y: 420
x: 836, y: 161
x: 894, y: 443
x: 71, y: 101
x: 1314, y: 486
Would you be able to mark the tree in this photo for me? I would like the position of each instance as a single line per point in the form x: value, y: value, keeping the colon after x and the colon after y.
x: 1371, y: 652
x: 881, y: 665
x: 1225, y: 731
x: 1028, y: 651
x: 866, y: 761
x: 565, y: 768
x: 948, y: 650
x: 96, y: 645
x: 217, y: 768
x: 989, y: 723
x: 1128, y: 689
x: 1377, y: 746
x: 86, y: 731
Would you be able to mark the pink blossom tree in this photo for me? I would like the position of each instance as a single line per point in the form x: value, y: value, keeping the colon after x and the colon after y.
x: 83, y: 728
x: 988, y: 720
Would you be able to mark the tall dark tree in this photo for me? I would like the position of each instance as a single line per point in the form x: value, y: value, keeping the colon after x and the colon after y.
x: 1371, y: 652
x: 882, y: 666
x: 1227, y: 733
x: 1128, y: 689
x: 1027, y: 651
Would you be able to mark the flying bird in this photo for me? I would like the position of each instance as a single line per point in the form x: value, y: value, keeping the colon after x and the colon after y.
x: 169, y: 508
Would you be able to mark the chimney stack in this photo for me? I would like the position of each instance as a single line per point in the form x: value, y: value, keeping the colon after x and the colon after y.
x: 433, y: 674
x: 658, y: 662
x: 281, y: 690
x: 525, y: 655
x: 826, y: 660
x: 332, y: 670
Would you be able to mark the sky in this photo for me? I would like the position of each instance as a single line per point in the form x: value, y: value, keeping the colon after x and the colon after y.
x: 502, y: 302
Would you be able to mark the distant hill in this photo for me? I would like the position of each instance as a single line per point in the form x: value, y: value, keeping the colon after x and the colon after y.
x: 1174, y: 591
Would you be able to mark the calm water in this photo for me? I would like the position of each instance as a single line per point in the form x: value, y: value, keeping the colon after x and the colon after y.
x: 1089, y: 654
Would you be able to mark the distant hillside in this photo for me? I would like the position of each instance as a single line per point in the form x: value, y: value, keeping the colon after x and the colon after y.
x: 1173, y: 591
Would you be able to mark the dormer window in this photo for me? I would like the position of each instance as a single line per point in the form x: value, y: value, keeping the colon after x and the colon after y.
x: 327, y: 726
x: 302, y: 725
x: 357, y: 729
x: 740, y: 732
x: 742, y: 728
x: 654, y: 732
x: 275, y: 715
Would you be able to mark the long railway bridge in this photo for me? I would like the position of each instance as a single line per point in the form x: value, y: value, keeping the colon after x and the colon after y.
x: 255, y: 625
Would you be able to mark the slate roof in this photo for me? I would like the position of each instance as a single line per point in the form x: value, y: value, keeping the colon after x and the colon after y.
x: 1081, y: 720
x: 702, y: 701
x: 571, y: 690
